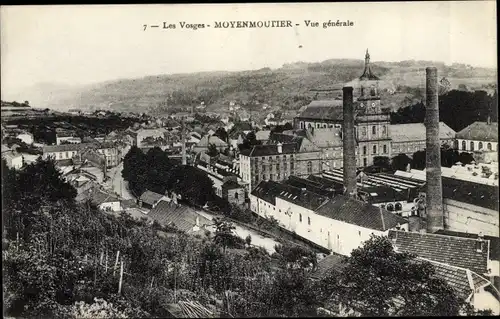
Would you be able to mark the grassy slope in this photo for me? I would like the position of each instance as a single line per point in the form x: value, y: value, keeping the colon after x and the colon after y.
x: 286, y: 87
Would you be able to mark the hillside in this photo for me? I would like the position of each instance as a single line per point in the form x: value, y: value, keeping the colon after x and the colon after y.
x: 287, y: 87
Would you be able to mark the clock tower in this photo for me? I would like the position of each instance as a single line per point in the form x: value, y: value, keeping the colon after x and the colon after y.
x: 372, y: 120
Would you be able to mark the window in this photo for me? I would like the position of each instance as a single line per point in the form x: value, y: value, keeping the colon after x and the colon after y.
x: 489, y: 146
x: 317, y: 125
x: 301, y: 125
x: 480, y: 146
x: 365, y: 162
x: 385, y: 149
x: 364, y: 150
x: 308, y: 220
x: 374, y: 130
x: 285, y: 166
x: 300, y: 218
x: 309, y: 167
x: 359, y: 233
x: 471, y: 146
x: 464, y: 146
x: 398, y: 206
x: 278, y: 167
x: 363, y: 131
x: 236, y: 195
x: 374, y: 149
x: 384, y: 130
x: 291, y: 165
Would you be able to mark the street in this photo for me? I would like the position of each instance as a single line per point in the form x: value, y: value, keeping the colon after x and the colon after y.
x: 116, y: 182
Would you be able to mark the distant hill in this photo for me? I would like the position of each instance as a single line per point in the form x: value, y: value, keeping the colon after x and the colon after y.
x: 288, y: 87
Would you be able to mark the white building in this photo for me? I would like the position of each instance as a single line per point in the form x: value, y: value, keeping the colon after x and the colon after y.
x: 339, y: 224
x: 479, y: 136
x: 26, y: 137
x: 14, y: 160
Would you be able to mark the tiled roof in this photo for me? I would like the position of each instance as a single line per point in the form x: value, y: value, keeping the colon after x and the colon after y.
x: 270, y: 149
x: 324, y: 109
x: 456, y: 277
x: 480, y: 131
x: 494, y: 241
x: 309, y: 185
x: 471, y: 193
x: 76, y: 147
x: 359, y: 213
x: 98, y: 197
x: 150, y: 197
x: 262, y: 135
x: 206, y: 140
x: 269, y: 190
x: 416, y: 132
x: 455, y: 251
x: 230, y: 184
x: 325, y: 137
x: 333, y: 263
x: 180, y: 216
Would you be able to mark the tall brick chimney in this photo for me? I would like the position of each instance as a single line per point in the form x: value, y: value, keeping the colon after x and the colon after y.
x: 349, y: 143
x: 434, y: 196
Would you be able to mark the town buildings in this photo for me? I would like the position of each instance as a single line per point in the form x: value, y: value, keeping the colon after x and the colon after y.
x: 275, y: 162
x: 13, y: 159
x: 337, y: 223
x: 107, y: 151
x: 207, y: 140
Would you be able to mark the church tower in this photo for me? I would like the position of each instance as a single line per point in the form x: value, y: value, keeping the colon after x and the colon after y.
x: 372, y: 121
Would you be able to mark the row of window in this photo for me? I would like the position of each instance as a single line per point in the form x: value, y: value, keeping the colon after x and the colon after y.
x: 374, y: 149
x: 264, y: 167
x: 363, y: 129
x: 489, y: 147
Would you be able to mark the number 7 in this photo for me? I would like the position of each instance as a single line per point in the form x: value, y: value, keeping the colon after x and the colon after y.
x: 145, y: 26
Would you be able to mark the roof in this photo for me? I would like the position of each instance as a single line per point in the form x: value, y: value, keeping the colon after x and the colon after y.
x: 356, y: 212
x: 150, y: 197
x: 180, y: 216
x: 333, y: 263
x: 64, y: 162
x: 494, y: 241
x: 325, y: 137
x: 270, y: 190
x: 269, y: 149
x: 99, y: 197
x: 481, y: 195
x: 262, y: 135
x: 230, y: 184
x: 323, y: 109
x: 416, y: 132
x: 480, y: 131
x: 454, y: 251
x: 206, y: 140
x: 74, y: 147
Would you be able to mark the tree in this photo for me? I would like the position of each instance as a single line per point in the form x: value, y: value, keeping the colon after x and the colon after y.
x: 224, y: 234
x: 449, y: 157
x: 221, y: 133
x: 248, y: 240
x: 400, y: 162
x: 382, y: 161
x: 212, y: 150
x: 376, y: 276
x: 192, y: 183
x: 465, y: 158
x: 418, y: 160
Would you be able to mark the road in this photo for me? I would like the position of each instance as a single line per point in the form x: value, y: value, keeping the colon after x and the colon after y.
x: 117, y: 184
x: 243, y: 232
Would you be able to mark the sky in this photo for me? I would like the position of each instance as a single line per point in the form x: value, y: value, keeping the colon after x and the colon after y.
x: 77, y: 44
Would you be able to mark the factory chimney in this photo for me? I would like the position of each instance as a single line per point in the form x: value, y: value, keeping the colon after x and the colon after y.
x: 434, y: 196
x: 349, y: 146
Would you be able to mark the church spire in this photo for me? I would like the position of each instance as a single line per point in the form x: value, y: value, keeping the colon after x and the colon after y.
x: 367, y: 73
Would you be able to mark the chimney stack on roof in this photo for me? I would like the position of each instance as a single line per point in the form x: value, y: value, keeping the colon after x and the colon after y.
x: 434, y: 196
x: 280, y: 147
x: 349, y: 146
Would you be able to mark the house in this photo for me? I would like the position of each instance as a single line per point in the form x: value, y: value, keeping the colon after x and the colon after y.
x: 463, y: 262
x: 108, y: 151
x: 339, y: 224
x: 219, y: 175
x: 410, y: 138
x: 145, y: 133
x: 104, y: 200
x: 287, y: 155
x: 181, y: 217
x: 481, y: 138
x: 149, y: 199
x: 25, y: 137
x: 262, y: 135
x: 202, y: 146
x: 14, y: 160
x: 233, y: 192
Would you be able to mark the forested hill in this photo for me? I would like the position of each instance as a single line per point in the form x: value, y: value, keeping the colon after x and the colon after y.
x: 287, y: 87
